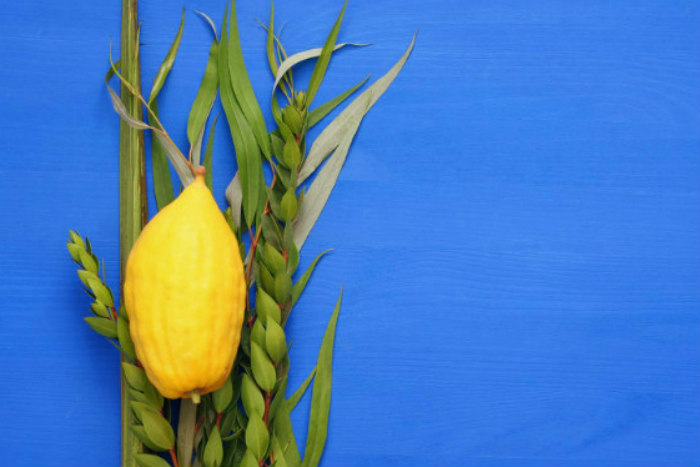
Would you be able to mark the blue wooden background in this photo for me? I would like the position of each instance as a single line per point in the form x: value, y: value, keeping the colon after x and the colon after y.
x: 517, y: 228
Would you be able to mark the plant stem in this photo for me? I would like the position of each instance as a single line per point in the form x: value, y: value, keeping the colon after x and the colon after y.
x: 132, y: 188
x: 185, y: 431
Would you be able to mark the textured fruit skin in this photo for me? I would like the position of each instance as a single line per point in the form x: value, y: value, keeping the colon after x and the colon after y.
x: 185, y: 295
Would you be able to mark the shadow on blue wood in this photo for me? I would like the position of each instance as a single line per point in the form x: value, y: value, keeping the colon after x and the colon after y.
x: 517, y: 229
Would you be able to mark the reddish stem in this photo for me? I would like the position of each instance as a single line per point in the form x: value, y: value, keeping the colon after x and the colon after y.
x: 219, y: 416
x: 268, y: 399
x: 173, y: 457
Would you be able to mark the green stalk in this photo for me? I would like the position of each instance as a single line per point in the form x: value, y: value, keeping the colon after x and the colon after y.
x: 132, y: 188
x: 185, y: 431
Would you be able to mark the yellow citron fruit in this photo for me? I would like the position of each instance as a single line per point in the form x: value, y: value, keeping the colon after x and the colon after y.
x: 185, y: 295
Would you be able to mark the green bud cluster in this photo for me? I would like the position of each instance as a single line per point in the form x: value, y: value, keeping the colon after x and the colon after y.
x: 104, y: 320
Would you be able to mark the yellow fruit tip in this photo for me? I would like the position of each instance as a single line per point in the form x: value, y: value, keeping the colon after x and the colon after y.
x: 200, y: 171
x: 195, y: 397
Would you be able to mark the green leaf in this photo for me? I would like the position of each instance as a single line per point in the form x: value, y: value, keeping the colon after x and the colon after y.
x: 101, y: 291
x: 99, y: 309
x: 120, y: 109
x: 158, y: 429
x: 321, y: 396
x: 280, y: 460
x: 125, y: 337
x: 222, y: 396
x: 274, y: 259
x: 283, y: 287
x: 247, y: 149
x: 288, y: 205
x: 103, y: 326
x: 150, y: 460
x: 242, y: 88
x: 74, y: 251
x: 325, y: 57
x: 270, y: 42
x: 140, y: 433
x: 317, y: 114
x: 135, y: 376
x: 301, y: 283
x: 257, y: 335
x: 263, y: 371
x: 203, y: 102
x: 168, y: 61
x: 285, y: 433
x: 296, y: 397
x: 275, y: 341
x: 214, y: 450
x: 153, y: 397
x: 300, y: 57
x: 342, y: 125
x: 267, y: 307
x: 249, y: 459
x: 181, y: 165
x: 88, y: 262
x: 322, y: 186
x: 162, y: 181
x: 208, y: 156
x: 252, y: 398
x: 257, y: 437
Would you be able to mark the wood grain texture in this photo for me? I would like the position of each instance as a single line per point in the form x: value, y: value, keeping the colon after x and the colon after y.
x: 517, y: 228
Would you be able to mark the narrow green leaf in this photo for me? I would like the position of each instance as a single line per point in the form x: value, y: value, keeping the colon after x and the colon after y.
x: 204, y: 100
x: 102, y: 326
x: 125, y: 337
x: 209, y: 156
x: 124, y: 114
x: 280, y: 459
x: 214, y: 450
x: 150, y: 460
x: 284, y: 432
x: 168, y: 61
x: 301, y: 283
x: 182, y: 168
x: 270, y: 43
x: 321, y: 395
x: 299, y: 393
x: 247, y: 150
x: 234, y: 196
x: 322, y: 186
x: 325, y: 58
x: 208, y: 20
x: 317, y: 114
x: 162, y: 181
x: 300, y: 57
x: 337, y: 130
x: 242, y: 88
x: 158, y: 429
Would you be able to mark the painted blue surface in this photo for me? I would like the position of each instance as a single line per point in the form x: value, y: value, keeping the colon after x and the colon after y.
x: 517, y: 228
